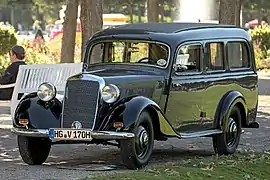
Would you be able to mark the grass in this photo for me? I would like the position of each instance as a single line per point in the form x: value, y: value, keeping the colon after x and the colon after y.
x: 246, y: 166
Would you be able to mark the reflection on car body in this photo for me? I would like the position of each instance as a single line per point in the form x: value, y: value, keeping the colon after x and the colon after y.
x: 144, y: 82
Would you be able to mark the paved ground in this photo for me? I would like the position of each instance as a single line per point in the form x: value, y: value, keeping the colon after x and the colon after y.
x: 78, y: 161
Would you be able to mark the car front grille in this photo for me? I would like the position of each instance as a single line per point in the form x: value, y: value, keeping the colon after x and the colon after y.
x: 80, y: 103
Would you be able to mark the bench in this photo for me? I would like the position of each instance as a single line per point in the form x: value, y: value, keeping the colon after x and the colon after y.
x: 31, y: 76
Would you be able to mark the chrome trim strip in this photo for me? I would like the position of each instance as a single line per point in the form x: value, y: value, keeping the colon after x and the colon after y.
x: 106, y: 135
x: 31, y: 132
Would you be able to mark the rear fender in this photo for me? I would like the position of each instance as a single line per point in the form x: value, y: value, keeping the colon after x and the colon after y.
x: 40, y: 114
x: 229, y: 100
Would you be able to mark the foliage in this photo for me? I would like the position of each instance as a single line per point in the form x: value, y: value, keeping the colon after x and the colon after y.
x: 55, y: 46
x: 261, y: 38
x: 234, y: 167
x: 8, y: 39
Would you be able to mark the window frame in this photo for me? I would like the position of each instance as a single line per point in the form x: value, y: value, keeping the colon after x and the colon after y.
x: 207, y: 58
x: 244, y: 42
x: 187, y: 73
x: 90, y: 48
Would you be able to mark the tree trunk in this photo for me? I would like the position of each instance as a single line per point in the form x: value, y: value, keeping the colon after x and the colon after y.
x: 238, y: 8
x: 152, y: 11
x: 227, y: 11
x: 131, y: 13
x: 91, y: 21
x: 69, y: 32
x: 139, y: 13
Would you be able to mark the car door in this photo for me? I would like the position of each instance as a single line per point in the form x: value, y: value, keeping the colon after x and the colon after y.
x: 183, y: 108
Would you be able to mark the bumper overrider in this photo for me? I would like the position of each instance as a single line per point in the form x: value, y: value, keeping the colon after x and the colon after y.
x: 105, y: 135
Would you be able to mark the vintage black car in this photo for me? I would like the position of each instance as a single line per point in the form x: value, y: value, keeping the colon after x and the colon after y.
x: 146, y: 82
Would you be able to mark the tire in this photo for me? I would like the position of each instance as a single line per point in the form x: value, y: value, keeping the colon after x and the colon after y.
x: 130, y: 148
x: 34, y: 151
x: 227, y: 142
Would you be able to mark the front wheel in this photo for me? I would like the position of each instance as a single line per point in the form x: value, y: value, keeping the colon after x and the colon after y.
x: 227, y: 142
x: 136, y: 152
x: 33, y: 150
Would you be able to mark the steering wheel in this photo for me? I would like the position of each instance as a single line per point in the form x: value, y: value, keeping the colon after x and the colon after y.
x: 140, y: 60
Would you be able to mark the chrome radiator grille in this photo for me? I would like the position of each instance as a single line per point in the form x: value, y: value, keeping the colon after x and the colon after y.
x: 80, y: 103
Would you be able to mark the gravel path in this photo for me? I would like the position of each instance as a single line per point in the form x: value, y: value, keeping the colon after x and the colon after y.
x: 79, y: 161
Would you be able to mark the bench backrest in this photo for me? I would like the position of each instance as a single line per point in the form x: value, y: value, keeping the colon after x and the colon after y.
x: 31, y: 76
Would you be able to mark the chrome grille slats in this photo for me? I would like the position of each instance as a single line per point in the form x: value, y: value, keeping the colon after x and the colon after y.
x: 80, y: 103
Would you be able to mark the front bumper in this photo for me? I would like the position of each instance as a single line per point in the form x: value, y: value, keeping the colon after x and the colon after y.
x: 106, y: 135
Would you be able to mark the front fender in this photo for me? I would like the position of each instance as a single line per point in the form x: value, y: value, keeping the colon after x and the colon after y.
x: 40, y: 115
x: 229, y: 100
x: 136, y: 105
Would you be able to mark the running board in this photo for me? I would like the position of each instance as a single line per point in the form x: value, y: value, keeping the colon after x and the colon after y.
x: 203, y: 133
x: 200, y: 134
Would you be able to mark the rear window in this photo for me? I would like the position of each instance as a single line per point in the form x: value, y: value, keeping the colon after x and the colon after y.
x: 238, y: 56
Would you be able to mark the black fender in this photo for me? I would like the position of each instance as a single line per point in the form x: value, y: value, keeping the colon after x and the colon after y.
x: 40, y: 114
x: 133, y: 108
x: 229, y: 100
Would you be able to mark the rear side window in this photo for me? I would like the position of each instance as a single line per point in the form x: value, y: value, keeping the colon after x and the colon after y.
x: 215, y: 60
x: 238, y: 55
x: 189, y: 58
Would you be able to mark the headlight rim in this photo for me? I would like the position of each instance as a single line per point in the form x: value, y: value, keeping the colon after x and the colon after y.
x: 53, y: 89
x: 117, y: 91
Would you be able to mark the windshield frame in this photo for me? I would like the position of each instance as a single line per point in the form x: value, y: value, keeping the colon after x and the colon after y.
x: 90, y: 47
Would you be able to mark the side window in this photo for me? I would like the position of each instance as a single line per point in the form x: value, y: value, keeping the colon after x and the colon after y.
x: 189, y: 58
x: 238, y: 55
x: 215, y: 60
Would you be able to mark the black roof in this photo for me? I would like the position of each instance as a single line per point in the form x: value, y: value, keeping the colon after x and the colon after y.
x: 164, y: 27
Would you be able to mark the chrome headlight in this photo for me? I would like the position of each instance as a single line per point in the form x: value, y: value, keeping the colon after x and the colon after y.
x: 110, y: 93
x: 46, y: 91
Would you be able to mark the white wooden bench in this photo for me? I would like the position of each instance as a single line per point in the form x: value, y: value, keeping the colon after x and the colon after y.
x: 31, y: 76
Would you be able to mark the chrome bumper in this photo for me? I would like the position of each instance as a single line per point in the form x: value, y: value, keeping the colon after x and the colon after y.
x: 106, y: 135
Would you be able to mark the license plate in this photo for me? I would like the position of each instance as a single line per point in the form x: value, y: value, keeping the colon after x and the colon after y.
x: 70, y: 134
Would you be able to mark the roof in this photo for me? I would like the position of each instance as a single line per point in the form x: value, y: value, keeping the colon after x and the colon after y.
x: 163, y: 27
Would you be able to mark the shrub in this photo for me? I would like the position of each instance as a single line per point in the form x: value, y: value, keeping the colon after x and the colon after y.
x: 261, y: 38
x: 7, y: 39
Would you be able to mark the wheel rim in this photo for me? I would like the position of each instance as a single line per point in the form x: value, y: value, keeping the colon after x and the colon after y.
x: 142, y: 142
x: 231, y: 133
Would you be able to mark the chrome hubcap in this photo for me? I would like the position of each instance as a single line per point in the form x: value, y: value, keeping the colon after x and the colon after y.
x: 142, y: 140
x: 231, y: 133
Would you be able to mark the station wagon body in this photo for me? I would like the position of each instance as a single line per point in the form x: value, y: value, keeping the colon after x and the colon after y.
x: 146, y: 82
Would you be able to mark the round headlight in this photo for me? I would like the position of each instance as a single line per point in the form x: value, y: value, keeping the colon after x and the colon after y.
x: 110, y: 93
x: 46, y: 91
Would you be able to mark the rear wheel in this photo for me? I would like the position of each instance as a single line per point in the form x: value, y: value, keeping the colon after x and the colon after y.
x: 227, y: 142
x: 136, y: 152
x: 34, y: 151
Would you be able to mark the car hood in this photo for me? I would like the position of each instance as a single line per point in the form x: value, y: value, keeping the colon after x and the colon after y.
x: 134, y: 81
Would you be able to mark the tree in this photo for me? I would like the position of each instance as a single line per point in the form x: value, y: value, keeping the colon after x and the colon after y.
x: 229, y: 11
x: 152, y: 10
x: 69, y: 32
x: 91, y: 20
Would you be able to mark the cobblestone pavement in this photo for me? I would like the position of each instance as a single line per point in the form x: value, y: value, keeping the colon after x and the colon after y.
x: 79, y: 161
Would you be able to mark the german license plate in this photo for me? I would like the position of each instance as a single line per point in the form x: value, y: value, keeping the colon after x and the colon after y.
x: 70, y: 134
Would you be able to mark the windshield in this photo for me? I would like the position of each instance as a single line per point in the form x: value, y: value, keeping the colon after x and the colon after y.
x: 135, y: 52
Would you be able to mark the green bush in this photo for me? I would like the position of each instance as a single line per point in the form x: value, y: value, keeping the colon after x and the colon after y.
x: 7, y: 39
x: 261, y: 39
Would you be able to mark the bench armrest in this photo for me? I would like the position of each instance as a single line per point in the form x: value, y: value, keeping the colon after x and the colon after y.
x: 7, y: 86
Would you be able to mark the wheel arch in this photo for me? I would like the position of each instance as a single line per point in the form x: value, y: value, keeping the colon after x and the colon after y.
x: 133, y: 108
x: 232, y: 98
